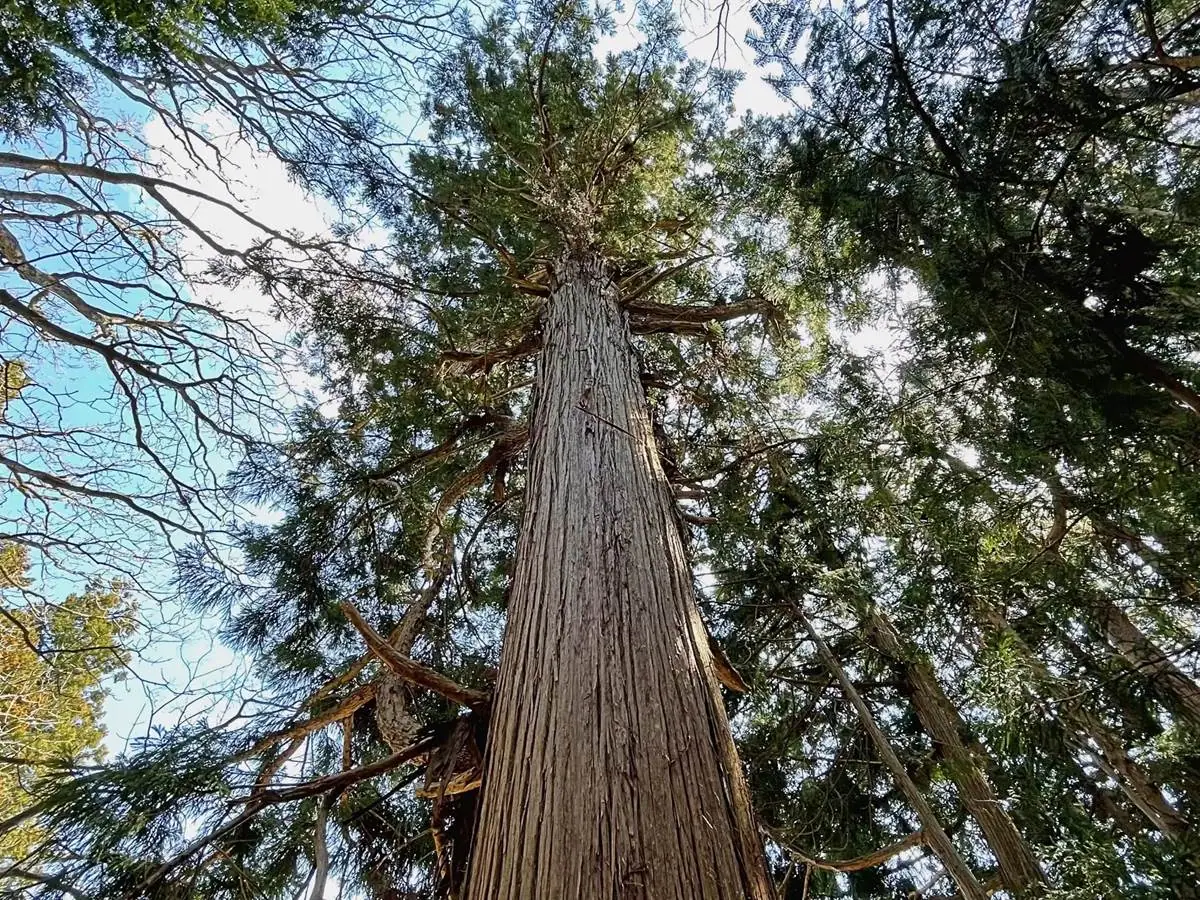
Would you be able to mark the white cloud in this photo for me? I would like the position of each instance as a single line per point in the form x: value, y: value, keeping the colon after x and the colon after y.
x: 185, y: 670
x: 719, y: 35
x: 234, y: 171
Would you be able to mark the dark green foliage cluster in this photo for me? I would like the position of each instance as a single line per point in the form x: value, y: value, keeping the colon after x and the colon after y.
x: 1029, y: 166
x: 1024, y: 174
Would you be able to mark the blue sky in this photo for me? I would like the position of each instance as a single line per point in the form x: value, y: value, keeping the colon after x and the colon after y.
x: 181, y: 669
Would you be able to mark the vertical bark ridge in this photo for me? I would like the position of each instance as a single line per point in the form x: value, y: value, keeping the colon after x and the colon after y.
x: 611, y: 772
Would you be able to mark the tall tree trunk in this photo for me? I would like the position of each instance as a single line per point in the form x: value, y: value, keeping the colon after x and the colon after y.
x: 1019, y: 869
x: 611, y: 771
x: 1095, y: 739
x: 1177, y: 691
x: 1097, y: 662
x: 935, y: 836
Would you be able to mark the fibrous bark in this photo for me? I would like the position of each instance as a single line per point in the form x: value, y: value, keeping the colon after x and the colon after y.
x: 935, y: 836
x: 610, y: 771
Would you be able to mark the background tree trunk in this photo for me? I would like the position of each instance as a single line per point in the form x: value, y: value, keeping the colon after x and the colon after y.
x: 1019, y: 868
x: 1167, y: 680
x: 935, y: 836
x: 611, y: 771
x: 1094, y: 738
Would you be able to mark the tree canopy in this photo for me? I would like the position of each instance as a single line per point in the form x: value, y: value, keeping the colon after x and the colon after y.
x: 55, y: 660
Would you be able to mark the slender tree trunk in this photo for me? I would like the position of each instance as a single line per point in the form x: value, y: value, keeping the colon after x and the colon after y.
x: 1106, y: 806
x: 935, y: 836
x: 1178, y: 692
x: 1164, y: 564
x: 1095, y: 739
x: 611, y: 771
x: 1098, y: 663
x: 1158, y: 374
x: 1019, y: 868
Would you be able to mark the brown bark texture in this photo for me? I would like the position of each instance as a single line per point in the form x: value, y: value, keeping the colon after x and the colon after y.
x: 1018, y: 867
x: 936, y: 838
x: 1179, y: 692
x: 610, y: 771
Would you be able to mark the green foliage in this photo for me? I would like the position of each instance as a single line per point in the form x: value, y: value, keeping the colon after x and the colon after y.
x: 1011, y: 188
x: 13, y: 379
x: 54, y: 661
x: 39, y: 39
x: 407, y: 478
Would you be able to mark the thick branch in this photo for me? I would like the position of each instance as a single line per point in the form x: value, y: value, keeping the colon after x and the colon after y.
x: 472, y: 362
x: 348, y: 705
x: 342, y: 780
x: 411, y: 670
x: 857, y: 863
x: 949, y: 153
x: 647, y: 318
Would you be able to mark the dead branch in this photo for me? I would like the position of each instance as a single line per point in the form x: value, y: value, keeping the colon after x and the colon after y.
x: 658, y: 277
x: 258, y: 801
x: 321, y: 848
x: 474, y: 362
x: 855, y: 864
x: 342, y: 780
x: 507, y: 444
x: 411, y: 670
x: 348, y: 705
x: 272, y: 766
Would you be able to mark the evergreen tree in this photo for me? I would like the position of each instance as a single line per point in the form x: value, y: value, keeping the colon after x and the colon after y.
x: 1026, y: 173
x: 564, y: 204
x: 54, y: 659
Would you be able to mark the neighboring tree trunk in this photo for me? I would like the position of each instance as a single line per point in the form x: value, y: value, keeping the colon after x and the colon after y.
x: 1106, y: 749
x: 935, y: 836
x: 611, y: 771
x: 1178, y: 692
x: 1097, y: 662
x: 1106, y: 806
x: 1135, y: 716
x: 1164, y: 564
x: 1019, y: 868
x: 1157, y: 374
